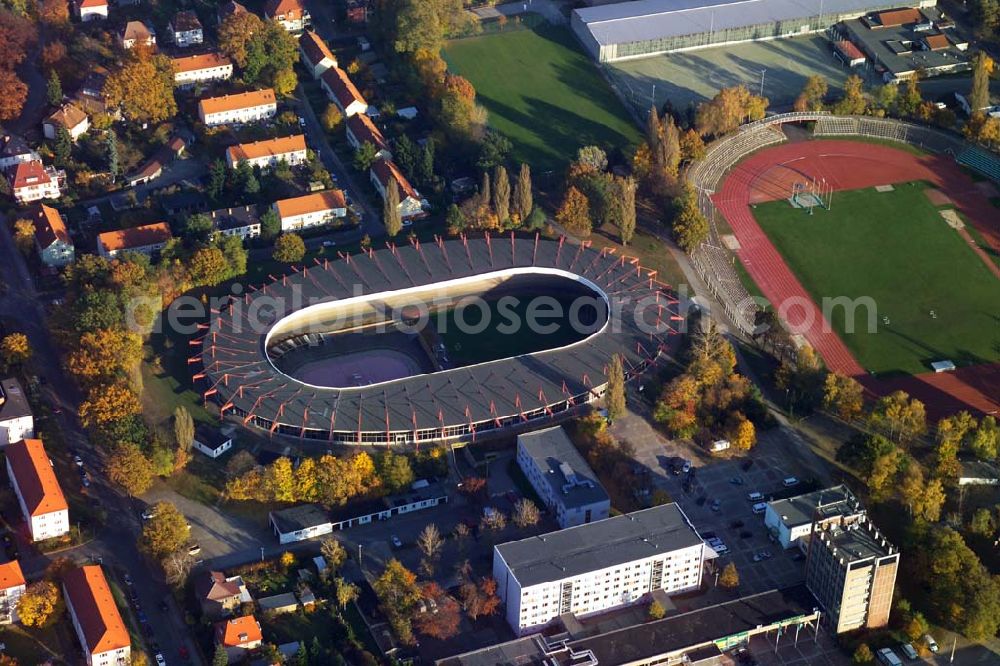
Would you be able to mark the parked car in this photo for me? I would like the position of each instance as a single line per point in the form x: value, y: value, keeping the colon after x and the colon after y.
x: 396, y: 542
x: 160, y: 661
x: 790, y: 482
x: 909, y: 651
x: 194, y: 549
x: 716, y: 505
x: 736, y: 481
x: 127, y: 579
x: 78, y: 460
x: 755, y: 497
x: 686, y: 467
x: 931, y: 643
x: 148, y: 513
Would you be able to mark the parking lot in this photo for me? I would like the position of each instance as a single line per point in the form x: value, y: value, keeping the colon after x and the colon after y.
x: 728, y: 481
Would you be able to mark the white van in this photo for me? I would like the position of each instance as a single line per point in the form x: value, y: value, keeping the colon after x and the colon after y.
x: 790, y: 482
x: 754, y: 497
x: 760, y: 507
x: 888, y: 657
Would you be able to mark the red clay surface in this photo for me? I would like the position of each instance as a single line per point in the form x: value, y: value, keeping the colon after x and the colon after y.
x: 846, y: 165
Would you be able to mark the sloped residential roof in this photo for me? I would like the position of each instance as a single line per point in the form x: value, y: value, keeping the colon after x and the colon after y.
x: 247, y: 100
x: 267, y: 148
x: 234, y: 218
x: 288, y: 8
x: 185, y: 21
x: 310, y: 203
x: 849, y: 50
x: 34, y: 476
x: 315, y: 48
x: 365, y: 131
x: 14, y: 145
x: 124, y: 239
x: 29, y: 173
x: 93, y: 4
x: 214, y: 586
x: 937, y: 42
x: 386, y: 170
x: 238, y: 631
x: 201, y: 61
x: 137, y: 30
x: 902, y: 16
x: 11, y: 575
x: 67, y: 115
x: 342, y: 87
x: 95, y: 609
x: 49, y: 226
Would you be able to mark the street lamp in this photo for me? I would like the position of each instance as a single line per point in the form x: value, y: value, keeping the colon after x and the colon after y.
x: 262, y: 553
x: 763, y: 69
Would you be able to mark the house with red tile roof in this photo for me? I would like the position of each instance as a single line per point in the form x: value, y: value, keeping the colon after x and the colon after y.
x: 291, y: 14
x: 341, y: 91
x: 248, y: 107
x: 266, y: 154
x: 239, y: 636
x: 220, y: 595
x: 33, y: 181
x: 96, y: 618
x: 360, y: 129
x: 12, y: 586
x: 38, y: 493
x: 91, y: 10
x: 144, y: 239
x: 190, y: 70
x: 383, y: 173
x: 316, y: 55
x: 311, y: 210
x: 52, y: 240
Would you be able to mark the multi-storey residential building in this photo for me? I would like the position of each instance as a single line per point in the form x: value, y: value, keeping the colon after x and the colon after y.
x: 96, y: 619
x: 33, y: 181
x: 792, y: 520
x: 291, y: 14
x: 137, y: 33
x: 145, y: 239
x: 311, y: 210
x: 561, y: 477
x: 52, y: 240
x: 341, y: 91
x: 239, y: 636
x: 16, y: 420
x: 12, y: 585
x: 360, y: 129
x: 68, y: 116
x: 382, y: 173
x: 851, y: 569
x: 316, y: 55
x: 597, y: 566
x: 15, y: 150
x: 241, y: 221
x: 266, y: 154
x: 195, y: 69
x: 91, y: 10
x: 38, y: 493
x: 185, y: 29
x: 248, y: 107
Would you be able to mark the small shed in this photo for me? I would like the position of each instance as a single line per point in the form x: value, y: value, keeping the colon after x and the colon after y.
x: 279, y: 603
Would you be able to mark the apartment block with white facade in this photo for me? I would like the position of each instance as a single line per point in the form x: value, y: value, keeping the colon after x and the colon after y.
x: 597, y: 567
x: 38, y: 493
x: 239, y: 109
x: 203, y: 68
x: 269, y: 152
x: 311, y: 210
x: 16, y: 419
x: 96, y: 618
x: 12, y: 585
x: 561, y: 477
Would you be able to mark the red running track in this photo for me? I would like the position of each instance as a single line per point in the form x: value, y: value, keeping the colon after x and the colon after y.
x: 845, y: 165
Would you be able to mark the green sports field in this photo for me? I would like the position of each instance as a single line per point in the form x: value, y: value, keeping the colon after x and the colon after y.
x: 896, y: 248
x: 543, y: 93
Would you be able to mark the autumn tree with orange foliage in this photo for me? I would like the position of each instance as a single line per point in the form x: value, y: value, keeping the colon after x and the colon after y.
x: 104, y: 355
x: 144, y: 87
x: 13, y: 93
x: 442, y: 623
x: 105, y: 404
x: 574, y: 212
x: 728, y: 110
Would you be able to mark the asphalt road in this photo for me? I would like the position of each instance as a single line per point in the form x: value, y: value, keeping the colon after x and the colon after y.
x: 115, y: 542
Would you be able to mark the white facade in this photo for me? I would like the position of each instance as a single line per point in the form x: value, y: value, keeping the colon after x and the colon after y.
x: 213, y: 452
x: 265, y: 162
x: 312, y: 219
x: 204, y: 75
x: 16, y: 429
x: 595, y: 591
x: 37, y: 188
x: 185, y: 38
x: 249, y: 114
x: 117, y: 657
x: 8, y: 161
x: 44, y: 525
x: 95, y: 12
x: 8, y: 601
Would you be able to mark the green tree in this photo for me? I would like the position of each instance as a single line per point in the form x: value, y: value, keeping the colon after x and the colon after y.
x: 424, y: 168
x: 289, y: 248
x: 625, y: 189
x: 523, y: 201
x: 493, y: 150
x: 111, y: 155
x: 501, y: 193
x: 221, y: 657
x: 270, y: 224
x: 183, y: 427
x: 216, y: 179
x: 391, y: 215
x: 812, y: 95
x: 689, y: 226
x: 984, y: 441
x: 983, y: 523
x: 853, y: 102
x: 863, y: 655
x: 235, y: 255
x: 365, y: 156
x: 63, y: 146
x: 165, y: 533
x: 982, y: 67
x: 271, y: 51
x: 615, y: 393
x: 53, y: 89
x: 394, y: 470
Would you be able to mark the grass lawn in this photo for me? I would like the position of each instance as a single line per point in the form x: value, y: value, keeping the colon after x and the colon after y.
x: 543, y: 93
x: 895, y: 248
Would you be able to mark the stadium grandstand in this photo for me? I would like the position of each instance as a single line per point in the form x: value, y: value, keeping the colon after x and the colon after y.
x: 649, y: 27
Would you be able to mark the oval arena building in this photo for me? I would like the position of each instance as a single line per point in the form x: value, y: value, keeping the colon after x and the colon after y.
x: 378, y: 348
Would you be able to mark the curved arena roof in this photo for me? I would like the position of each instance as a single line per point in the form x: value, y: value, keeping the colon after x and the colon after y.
x: 448, y: 404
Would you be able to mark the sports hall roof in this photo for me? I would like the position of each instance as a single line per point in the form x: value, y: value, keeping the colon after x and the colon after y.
x: 656, y: 19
